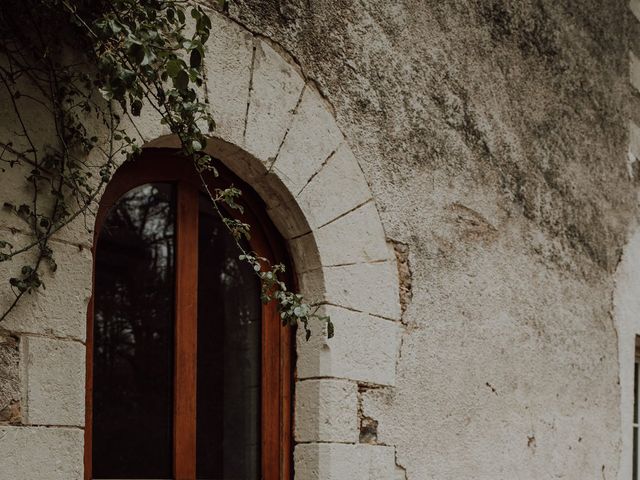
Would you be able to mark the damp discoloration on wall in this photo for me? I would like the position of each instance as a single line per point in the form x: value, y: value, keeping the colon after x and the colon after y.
x: 494, y: 136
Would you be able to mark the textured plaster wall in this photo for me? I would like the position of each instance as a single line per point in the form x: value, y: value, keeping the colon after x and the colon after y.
x: 494, y: 137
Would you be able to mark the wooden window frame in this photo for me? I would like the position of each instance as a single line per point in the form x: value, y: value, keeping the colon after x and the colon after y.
x: 162, y: 165
x: 635, y: 419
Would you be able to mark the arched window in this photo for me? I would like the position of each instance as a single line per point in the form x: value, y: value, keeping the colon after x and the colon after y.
x: 189, y: 374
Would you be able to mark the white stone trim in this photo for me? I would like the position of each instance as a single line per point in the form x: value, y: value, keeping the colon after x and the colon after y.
x: 276, y: 131
x: 41, y: 453
x: 296, y: 158
x: 335, y: 461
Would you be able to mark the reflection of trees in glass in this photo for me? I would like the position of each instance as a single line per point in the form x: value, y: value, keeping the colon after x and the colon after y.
x: 133, y: 344
x: 133, y: 331
x: 229, y: 350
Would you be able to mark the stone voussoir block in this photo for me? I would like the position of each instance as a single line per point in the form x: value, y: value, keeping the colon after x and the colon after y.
x: 336, y: 461
x: 276, y: 86
x: 229, y: 59
x: 338, y: 187
x: 60, y: 309
x: 40, y: 453
x: 289, y: 220
x: 326, y: 411
x: 634, y: 71
x: 311, y: 285
x: 306, y: 149
x: 356, y: 237
x: 364, y: 348
x: 304, y: 252
x: 55, y: 381
x: 634, y: 5
x: 366, y: 287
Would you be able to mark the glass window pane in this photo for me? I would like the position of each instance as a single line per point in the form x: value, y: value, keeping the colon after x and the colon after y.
x: 229, y: 346
x: 133, y: 337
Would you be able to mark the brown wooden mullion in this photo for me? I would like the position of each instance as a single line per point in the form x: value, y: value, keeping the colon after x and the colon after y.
x: 186, y: 339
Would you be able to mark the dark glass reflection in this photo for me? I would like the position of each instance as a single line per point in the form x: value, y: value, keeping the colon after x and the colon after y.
x: 229, y: 345
x: 133, y: 337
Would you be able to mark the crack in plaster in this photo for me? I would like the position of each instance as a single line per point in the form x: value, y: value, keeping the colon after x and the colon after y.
x: 319, y: 169
x: 292, y: 117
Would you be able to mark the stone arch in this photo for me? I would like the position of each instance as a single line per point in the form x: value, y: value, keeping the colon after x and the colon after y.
x: 277, y: 133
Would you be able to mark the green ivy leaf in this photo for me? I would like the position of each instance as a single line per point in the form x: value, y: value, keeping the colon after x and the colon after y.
x: 174, y: 67
x: 136, y: 107
x: 181, y: 81
x: 196, y: 58
x: 330, y: 328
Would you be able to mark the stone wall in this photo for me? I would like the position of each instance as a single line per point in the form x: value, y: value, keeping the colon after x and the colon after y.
x: 474, y: 328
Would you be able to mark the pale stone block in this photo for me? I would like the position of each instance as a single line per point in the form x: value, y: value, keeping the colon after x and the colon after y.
x: 55, y: 381
x: 304, y: 252
x: 366, y: 287
x: 17, y: 190
x: 364, y: 348
x: 634, y: 140
x: 634, y: 71
x: 311, y: 285
x: 357, y: 237
x: 306, y: 149
x: 240, y: 162
x: 14, y: 145
x: 634, y: 5
x: 228, y: 65
x: 40, y: 453
x: 338, y: 187
x: 61, y: 308
x: 289, y: 220
x: 275, y: 193
x: 275, y: 89
x: 81, y: 229
x: 336, y: 461
x: 35, y: 113
x: 326, y: 411
x: 266, y: 184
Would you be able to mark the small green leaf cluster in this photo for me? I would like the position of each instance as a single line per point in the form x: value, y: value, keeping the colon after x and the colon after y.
x: 28, y: 281
x: 291, y: 306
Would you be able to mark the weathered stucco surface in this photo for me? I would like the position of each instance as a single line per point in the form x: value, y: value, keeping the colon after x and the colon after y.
x: 493, y: 135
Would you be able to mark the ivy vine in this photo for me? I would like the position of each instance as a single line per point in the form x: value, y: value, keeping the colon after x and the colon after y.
x: 93, y: 66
